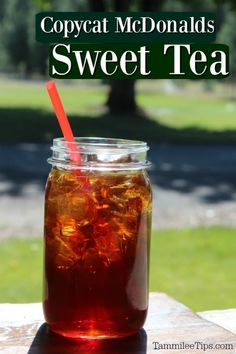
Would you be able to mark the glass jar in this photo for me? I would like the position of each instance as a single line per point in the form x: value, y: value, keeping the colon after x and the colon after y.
x: 97, y: 238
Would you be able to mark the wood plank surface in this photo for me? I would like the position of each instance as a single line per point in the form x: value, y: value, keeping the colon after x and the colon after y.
x: 169, y: 322
x: 224, y: 318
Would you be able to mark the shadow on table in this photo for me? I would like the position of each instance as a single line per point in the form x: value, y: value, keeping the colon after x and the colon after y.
x: 46, y: 342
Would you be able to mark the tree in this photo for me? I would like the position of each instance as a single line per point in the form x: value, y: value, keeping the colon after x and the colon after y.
x: 121, y: 98
x: 228, y: 36
x: 15, y: 31
x: 20, y: 51
x: 2, y: 9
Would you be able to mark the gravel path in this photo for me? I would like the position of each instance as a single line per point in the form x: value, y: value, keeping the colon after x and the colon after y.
x: 192, y: 185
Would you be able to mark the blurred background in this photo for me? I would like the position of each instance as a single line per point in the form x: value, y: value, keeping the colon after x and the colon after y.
x: 189, y: 125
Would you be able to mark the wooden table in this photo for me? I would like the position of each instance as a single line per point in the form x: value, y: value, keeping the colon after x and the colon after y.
x: 23, y: 331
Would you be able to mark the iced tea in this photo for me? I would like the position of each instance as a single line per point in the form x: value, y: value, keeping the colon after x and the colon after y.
x: 97, y: 230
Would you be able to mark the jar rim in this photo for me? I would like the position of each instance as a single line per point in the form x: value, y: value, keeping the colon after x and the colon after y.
x: 100, y: 143
x: 98, y: 153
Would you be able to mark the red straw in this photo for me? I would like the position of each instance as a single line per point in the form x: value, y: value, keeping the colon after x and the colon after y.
x: 63, y: 121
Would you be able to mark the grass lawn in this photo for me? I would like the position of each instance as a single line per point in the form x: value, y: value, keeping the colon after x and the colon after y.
x: 196, y: 266
x: 26, y: 114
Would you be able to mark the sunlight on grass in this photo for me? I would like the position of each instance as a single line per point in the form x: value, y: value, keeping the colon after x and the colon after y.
x: 76, y: 99
x: 20, y: 270
x: 182, y: 117
x: 195, y: 266
x: 176, y: 110
x: 179, y: 111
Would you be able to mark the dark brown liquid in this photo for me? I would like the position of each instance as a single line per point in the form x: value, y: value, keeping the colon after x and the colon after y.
x: 97, y: 229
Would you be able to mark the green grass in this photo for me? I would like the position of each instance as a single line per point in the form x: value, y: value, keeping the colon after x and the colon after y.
x: 202, y: 111
x: 185, y: 117
x: 195, y: 266
x: 20, y: 270
x: 77, y: 100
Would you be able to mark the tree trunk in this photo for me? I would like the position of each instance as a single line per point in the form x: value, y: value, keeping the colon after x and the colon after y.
x: 121, y: 98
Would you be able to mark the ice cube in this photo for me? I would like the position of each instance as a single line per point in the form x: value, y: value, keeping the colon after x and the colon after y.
x: 125, y: 225
x: 68, y: 227
x: 60, y: 252
x: 107, y: 244
x: 76, y: 206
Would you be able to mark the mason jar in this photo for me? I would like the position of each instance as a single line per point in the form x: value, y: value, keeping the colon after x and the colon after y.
x: 98, y: 208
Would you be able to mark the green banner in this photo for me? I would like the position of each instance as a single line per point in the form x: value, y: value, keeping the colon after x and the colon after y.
x: 125, y: 27
x: 139, y: 61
